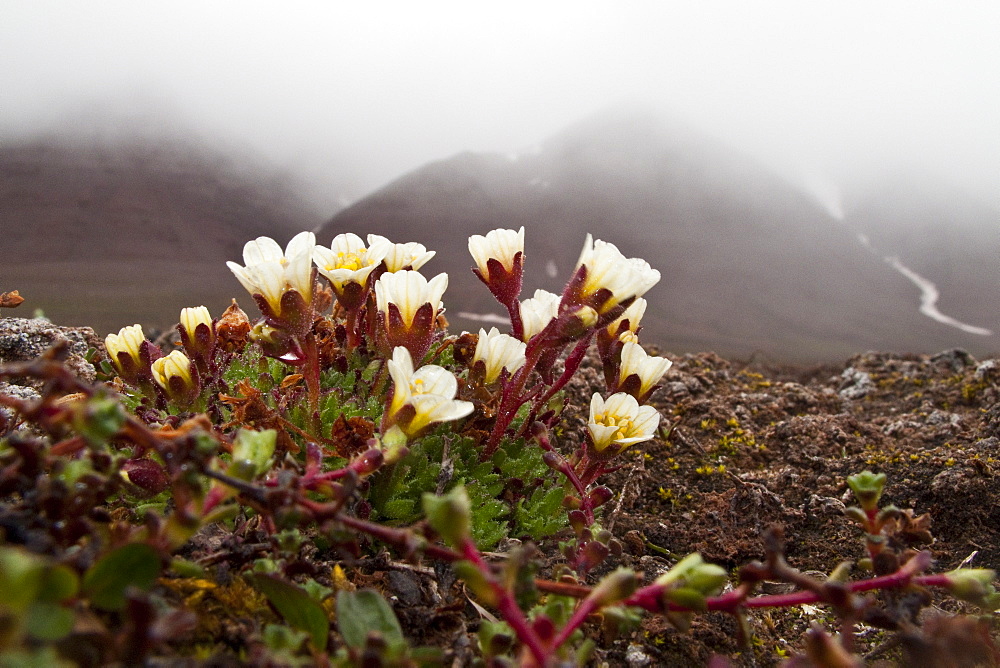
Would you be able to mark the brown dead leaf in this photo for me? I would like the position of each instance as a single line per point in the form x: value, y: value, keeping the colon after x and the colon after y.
x: 250, y: 410
x: 350, y: 435
x: 233, y: 328
x: 10, y: 299
x: 909, y: 529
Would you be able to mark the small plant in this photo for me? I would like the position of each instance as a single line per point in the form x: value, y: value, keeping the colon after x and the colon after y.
x: 346, y: 418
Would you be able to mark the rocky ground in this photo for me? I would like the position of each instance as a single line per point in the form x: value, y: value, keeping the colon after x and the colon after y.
x: 750, y: 446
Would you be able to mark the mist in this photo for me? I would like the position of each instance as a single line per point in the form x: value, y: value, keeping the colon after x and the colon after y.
x: 348, y: 97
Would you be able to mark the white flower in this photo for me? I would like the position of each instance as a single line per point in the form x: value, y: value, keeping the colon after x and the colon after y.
x: 409, y: 290
x: 397, y: 257
x: 270, y: 272
x: 620, y: 421
x: 649, y: 369
x: 430, y: 390
x: 193, y: 316
x: 498, y: 352
x: 347, y: 260
x: 633, y: 314
x: 608, y: 269
x: 128, y: 340
x: 538, y: 312
x: 500, y: 245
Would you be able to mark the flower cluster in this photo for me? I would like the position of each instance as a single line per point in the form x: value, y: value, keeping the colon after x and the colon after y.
x: 176, y: 377
x: 603, y: 299
x: 388, y: 305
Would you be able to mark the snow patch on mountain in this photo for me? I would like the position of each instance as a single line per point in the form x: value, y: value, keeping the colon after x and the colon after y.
x: 929, y: 296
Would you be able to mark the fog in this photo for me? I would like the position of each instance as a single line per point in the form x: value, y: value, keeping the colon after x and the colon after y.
x: 348, y: 96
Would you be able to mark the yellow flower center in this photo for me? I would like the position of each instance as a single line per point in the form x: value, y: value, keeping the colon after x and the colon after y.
x: 350, y: 260
x: 624, y: 425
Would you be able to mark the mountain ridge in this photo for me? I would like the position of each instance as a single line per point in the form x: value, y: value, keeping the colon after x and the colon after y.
x: 750, y: 263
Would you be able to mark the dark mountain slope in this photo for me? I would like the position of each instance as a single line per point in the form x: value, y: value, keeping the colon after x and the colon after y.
x: 749, y: 263
x: 110, y: 233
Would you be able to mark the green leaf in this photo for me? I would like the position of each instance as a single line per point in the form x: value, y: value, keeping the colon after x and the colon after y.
x: 133, y: 565
x: 21, y: 574
x: 296, y: 606
x: 58, y: 584
x: 400, y: 509
x: 48, y: 621
x: 359, y: 612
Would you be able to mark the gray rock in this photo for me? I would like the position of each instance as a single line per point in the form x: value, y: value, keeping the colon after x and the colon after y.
x: 636, y: 658
x: 22, y: 340
x: 18, y: 392
x: 985, y: 370
x: 855, y: 384
x: 956, y: 358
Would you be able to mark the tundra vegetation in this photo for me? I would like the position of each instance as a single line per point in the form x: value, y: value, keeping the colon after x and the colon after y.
x: 225, y: 500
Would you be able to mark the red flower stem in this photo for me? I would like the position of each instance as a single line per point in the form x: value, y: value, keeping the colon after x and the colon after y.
x: 311, y: 374
x: 572, y: 364
x: 650, y: 598
x: 584, y: 610
x: 351, y: 326
x: 516, y: 324
x: 506, y: 604
x: 564, y: 467
x: 511, y: 400
x: 398, y: 537
x: 508, y: 607
x: 591, y: 470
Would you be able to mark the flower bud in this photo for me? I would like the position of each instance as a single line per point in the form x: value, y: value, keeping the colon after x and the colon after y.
x: 867, y: 488
x: 252, y: 453
x: 450, y: 515
x: 690, y: 581
x: 499, y: 260
x: 132, y: 355
x: 975, y: 585
x: 178, y: 378
x: 616, y: 586
x: 145, y: 474
x: 538, y: 312
x: 599, y: 496
x: 198, y: 335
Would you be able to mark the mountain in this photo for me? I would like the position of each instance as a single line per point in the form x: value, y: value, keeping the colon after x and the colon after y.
x: 942, y: 232
x: 750, y: 263
x: 109, y: 233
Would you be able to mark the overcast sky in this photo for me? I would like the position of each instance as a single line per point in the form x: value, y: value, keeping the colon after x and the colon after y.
x: 377, y: 88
